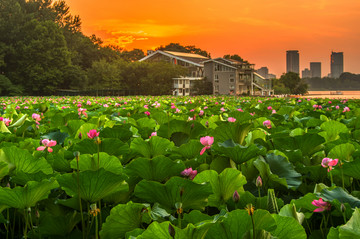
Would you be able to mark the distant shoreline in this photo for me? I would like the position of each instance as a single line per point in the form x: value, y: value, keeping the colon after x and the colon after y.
x: 333, y: 94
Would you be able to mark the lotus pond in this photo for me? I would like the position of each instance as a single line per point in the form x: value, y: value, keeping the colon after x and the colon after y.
x: 166, y: 167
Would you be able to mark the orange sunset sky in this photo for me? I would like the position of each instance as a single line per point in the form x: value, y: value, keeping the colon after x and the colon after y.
x: 260, y: 31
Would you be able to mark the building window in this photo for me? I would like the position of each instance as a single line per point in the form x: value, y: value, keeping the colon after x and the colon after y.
x: 175, y: 81
x: 216, y: 88
x: 180, y: 81
x: 180, y: 91
x: 231, y: 75
x: 187, y: 82
x: 231, y: 80
x: 216, y: 76
x: 187, y: 90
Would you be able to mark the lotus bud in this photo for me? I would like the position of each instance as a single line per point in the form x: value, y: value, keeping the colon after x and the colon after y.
x: 259, y: 182
x: 171, y: 231
x: 342, y: 208
x: 76, y: 154
x: 128, y: 114
x: 192, y: 125
x: 236, y: 197
x: 37, y: 214
x: 80, y: 135
x: 29, y: 210
x: 8, y: 185
x: 207, y: 124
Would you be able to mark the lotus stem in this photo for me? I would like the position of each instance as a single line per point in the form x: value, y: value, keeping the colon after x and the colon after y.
x: 96, y: 227
x: 253, y: 224
x: 80, y: 204
x: 331, y: 179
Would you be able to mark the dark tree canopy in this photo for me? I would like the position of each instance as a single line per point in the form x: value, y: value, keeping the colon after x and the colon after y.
x: 187, y: 49
x: 293, y: 83
x: 43, y: 50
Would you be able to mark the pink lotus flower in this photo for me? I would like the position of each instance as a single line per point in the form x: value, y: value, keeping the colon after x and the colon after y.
x: 147, y: 113
x: 93, y: 133
x: 269, y: 108
x: 322, y: 206
x: 346, y: 109
x: 273, y: 112
x: 329, y: 163
x: 240, y: 110
x: 267, y: 124
x: 231, y: 119
x: 207, y: 141
x: 36, y: 117
x: 201, y: 113
x: 153, y: 134
x: 47, y: 144
x: 252, y: 114
x: 337, y: 107
x: 7, y: 121
x: 189, y: 172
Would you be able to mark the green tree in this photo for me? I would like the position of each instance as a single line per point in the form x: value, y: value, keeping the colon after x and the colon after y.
x: 187, y: 49
x: 134, y: 55
x: 235, y: 57
x: 202, y: 87
x: 160, y: 76
x: 293, y: 82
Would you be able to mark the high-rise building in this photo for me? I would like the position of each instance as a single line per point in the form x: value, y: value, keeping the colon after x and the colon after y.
x: 315, y: 69
x: 306, y: 73
x: 292, y: 61
x: 263, y: 71
x: 336, y: 64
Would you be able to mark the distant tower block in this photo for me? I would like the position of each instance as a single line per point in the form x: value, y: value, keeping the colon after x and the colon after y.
x: 292, y: 61
x: 315, y: 68
x: 337, y: 64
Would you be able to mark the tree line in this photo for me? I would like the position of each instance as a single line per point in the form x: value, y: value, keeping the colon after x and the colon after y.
x: 42, y: 49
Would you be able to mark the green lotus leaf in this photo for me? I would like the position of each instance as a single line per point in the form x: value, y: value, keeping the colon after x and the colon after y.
x: 123, y: 218
x: 352, y: 228
x: 238, y: 222
x: 109, y: 146
x: 238, y: 153
x: 352, y: 168
x: 289, y: 210
x: 288, y: 228
x: 21, y: 160
x: 27, y: 196
x: 84, y: 129
x: 19, y: 122
x: 305, y: 202
x: 307, y: 143
x: 161, y: 231
x: 223, y: 185
x: 195, y: 216
x: 121, y: 132
x: 236, y: 131
x: 342, y: 152
x: 190, y: 149
x: 154, y: 147
x: 21, y: 178
x: 58, y: 136
x: 341, y: 196
x: 332, y: 129
x: 192, y: 129
x: 94, y: 185
x: 4, y: 169
x: 3, y: 128
x: 194, y: 196
x: 158, y: 168
x: 276, y: 168
x: 60, y: 223
x: 90, y: 162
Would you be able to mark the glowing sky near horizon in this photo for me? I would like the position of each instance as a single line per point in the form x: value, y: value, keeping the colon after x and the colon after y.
x: 260, y: 31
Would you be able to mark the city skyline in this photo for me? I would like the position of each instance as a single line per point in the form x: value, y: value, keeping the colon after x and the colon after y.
x: 259, y: 31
